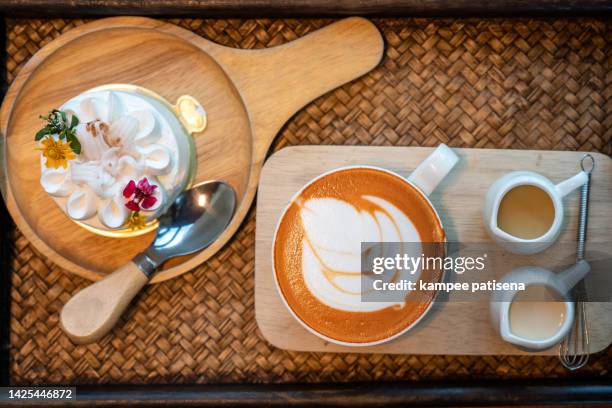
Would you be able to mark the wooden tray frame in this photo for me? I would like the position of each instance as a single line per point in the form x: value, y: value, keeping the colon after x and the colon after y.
x: 586, y: 391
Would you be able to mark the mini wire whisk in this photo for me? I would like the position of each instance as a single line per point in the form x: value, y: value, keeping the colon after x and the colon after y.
x: 574, y: 349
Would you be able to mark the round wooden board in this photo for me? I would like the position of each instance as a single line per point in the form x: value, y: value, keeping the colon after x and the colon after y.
x: 248, y: 96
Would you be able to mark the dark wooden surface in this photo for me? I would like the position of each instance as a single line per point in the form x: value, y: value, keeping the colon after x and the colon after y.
x: 5, y: 227
x: 296, y: 8
x: 352, y: 394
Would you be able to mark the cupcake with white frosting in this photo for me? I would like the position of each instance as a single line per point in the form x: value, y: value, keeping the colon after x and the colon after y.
x: 114, y: 160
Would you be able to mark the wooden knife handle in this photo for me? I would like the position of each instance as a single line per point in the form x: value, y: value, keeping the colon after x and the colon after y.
x: 93, y: 311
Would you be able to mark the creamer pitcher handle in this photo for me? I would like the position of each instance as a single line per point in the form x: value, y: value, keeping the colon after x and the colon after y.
x: 433, y: 169
x: 571, y: 276
x: 572, y: 183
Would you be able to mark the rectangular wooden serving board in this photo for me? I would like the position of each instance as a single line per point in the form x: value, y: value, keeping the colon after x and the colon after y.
x: 450, y: 328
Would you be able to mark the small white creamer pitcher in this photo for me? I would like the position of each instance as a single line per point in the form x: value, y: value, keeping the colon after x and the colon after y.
x: 560, y: 283
x: 503, y: 185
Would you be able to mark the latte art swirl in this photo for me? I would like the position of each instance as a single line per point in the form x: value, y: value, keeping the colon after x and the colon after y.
x: 331, y: 248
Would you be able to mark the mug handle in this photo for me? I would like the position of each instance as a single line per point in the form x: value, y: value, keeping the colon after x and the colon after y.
x: 572, y: 183
x: 433, y: 169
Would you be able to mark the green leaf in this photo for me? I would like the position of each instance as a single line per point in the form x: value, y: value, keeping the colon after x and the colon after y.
x: 75, y: 145
x: 74, y: 122
x: 42, y: 133
x: 63, y: 115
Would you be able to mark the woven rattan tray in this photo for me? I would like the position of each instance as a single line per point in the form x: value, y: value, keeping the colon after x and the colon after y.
x: 537, y: 84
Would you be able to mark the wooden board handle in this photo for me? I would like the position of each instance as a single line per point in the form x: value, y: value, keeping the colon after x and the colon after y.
x: 93, y: 312
x: 276, y: 82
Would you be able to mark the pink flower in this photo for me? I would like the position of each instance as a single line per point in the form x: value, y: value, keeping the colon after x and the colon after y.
x: 140, y: 195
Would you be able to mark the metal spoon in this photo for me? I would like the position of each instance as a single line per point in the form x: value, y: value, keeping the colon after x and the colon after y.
x: 194, y: 221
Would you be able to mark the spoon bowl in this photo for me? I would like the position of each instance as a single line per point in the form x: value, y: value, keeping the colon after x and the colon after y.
x: 194, y: 220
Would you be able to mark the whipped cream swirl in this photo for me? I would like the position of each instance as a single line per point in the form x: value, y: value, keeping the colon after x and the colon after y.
x: 121, y: 141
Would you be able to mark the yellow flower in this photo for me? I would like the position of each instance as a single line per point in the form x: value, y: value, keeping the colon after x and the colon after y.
x: 57, y: 152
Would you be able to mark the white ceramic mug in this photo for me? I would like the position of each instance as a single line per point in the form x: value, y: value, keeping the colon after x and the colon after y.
x: 426, y: 177
x: 521, y: 178
x: 561, y: 283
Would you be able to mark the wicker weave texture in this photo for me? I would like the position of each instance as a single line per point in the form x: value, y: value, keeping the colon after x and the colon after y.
x: 527, y: 84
